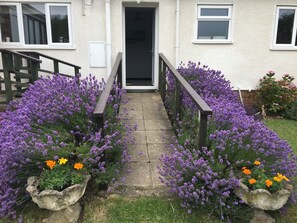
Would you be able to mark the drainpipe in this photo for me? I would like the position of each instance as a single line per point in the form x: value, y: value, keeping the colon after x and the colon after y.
x: 177, y: 34
x: 108, y: 36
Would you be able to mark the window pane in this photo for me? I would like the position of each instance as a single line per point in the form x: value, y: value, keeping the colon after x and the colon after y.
x: 213, y: 29
x: 59, y: 24
x: 214, y: 11
x: 9, y: 24
x: 285, y: 26
x: 34, y: 23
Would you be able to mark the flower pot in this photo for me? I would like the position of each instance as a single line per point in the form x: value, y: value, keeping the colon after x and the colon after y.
x: 263, y: 199
x: 56, y: 200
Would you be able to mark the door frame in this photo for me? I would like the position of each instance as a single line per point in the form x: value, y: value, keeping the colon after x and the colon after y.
x: 155, y: 68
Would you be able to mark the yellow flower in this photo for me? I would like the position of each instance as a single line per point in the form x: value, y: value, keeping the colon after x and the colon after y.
x: 50, y: 163
x: 285, y: 178
x: 277, y: 179
x: 78, y: 166
x: 279, y: 175
x: 252, y: 181
x: 268, y: 183
x: 62, y: 161
x: 257, y: 162
x: 246, y: 171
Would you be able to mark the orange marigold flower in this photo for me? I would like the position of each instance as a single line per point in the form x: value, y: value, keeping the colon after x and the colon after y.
x: 268, y: 183
x: 246, y: 171
x: 277, y: 179
x: 78, y: 166
x: 257, y: 162
x: 50, y: 163
x: 252, y: 181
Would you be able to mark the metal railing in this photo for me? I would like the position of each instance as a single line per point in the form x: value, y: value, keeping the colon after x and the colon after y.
x: 180, y: 82
x: 114, y: 77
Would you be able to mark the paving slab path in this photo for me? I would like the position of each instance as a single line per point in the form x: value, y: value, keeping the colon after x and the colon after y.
x: 153, y: 135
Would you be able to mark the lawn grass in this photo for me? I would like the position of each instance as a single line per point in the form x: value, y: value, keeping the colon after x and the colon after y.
x: 286, y: 129
x: 144, y: 209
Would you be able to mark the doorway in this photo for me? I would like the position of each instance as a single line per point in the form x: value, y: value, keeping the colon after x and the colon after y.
x: 140, y: 48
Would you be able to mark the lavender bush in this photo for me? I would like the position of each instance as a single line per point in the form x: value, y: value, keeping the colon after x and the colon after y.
x: 206, y: 177
x: 54, y: 119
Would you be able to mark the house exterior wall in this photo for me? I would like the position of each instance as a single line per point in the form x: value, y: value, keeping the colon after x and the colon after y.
x: 244, y: 61
x: 250, y: 55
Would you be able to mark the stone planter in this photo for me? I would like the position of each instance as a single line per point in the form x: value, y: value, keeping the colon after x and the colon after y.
x: 56, y: 200
x: 263, y: 199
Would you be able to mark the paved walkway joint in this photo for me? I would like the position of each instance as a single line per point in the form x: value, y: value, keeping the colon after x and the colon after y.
x: 154, y: 132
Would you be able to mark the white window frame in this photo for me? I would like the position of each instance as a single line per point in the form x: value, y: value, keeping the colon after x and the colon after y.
x: 214, y: 18
x: 291, y: 46
x: 20, y: 26
x: 50, y: 44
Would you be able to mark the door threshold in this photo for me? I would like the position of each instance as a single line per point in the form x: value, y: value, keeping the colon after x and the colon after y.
x: 141, y: 91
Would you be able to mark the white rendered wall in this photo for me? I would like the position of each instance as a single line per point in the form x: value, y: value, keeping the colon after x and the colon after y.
x: 249, y: 57
x: 243, y: 62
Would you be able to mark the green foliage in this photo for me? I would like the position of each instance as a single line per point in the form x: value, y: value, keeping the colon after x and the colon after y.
x: 276, y: 95
x: 256, y: 177
x: 62, y: 175
x: 291, y: 112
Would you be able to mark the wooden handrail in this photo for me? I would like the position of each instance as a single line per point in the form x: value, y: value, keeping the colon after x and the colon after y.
x: 22, y: 55
x: 51, y: 58
x: 99, y: 111
x: 12, y: 62
x: 203, y: 107
x: 55, y: 61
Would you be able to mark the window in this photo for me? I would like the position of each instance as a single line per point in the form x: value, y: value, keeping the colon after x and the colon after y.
x: 214, y: 23
x: 286, y: 27
x: 39, y: 24
x: 9, y: 24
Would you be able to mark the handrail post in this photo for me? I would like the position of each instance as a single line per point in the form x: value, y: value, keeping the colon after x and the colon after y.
x: 34, y: 66
x: 176, y: 99
x: 17, y: 68
x: 56, y: 67
x: 162, y: 71
x: 119, y: 79
x: 202, y: 130
x: 34, y: 70
x: 99, y: 122
x: 76, y: 71
x: 7, y: 67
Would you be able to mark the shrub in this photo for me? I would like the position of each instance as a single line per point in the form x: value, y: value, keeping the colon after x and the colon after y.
x: 54, y: 119
x: 276, y: 95
x: 291, y: 111
x: 207, y: 176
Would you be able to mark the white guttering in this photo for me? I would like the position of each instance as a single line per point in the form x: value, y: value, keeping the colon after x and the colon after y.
x: 108, y: 36
x: 177, y: 34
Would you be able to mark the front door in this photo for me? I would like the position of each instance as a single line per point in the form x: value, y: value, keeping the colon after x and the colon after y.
x: 139, y: 48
